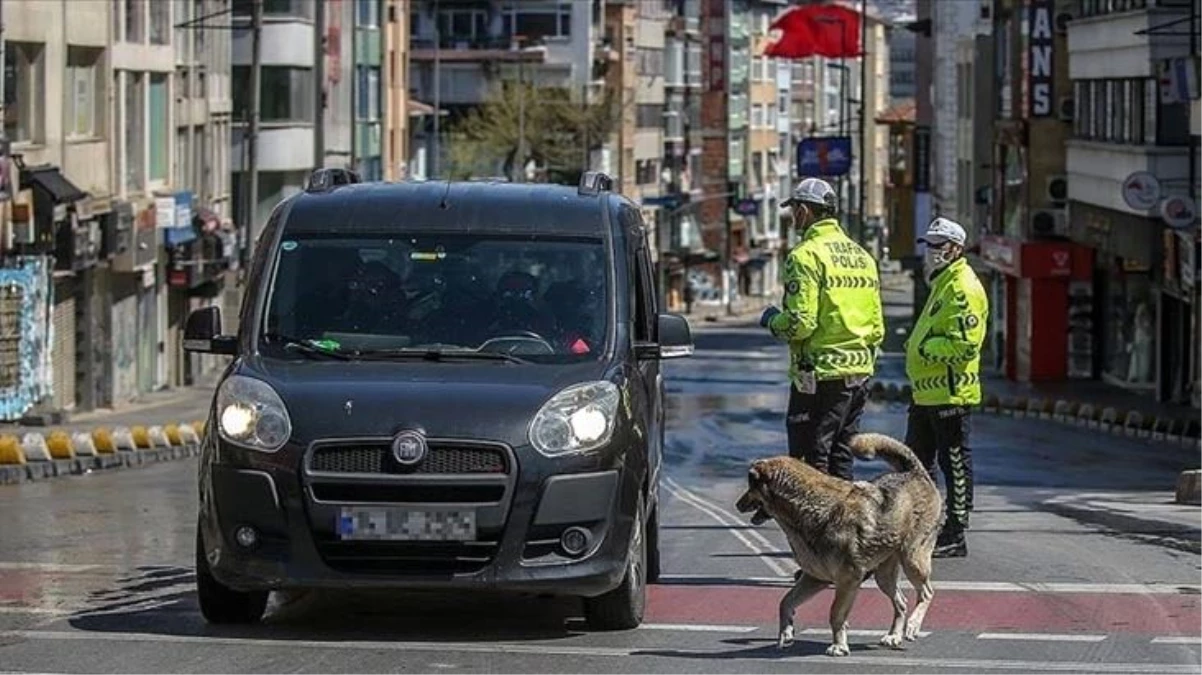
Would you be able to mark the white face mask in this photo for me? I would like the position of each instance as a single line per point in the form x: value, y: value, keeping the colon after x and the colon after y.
x: 934, y: 260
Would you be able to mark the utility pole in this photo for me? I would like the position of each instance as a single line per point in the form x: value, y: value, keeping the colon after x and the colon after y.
x: 923, y: 62
x: 252, y: 150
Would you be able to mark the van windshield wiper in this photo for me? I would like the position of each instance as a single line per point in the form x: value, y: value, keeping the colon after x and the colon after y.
x: 437, y: 354
x: 307, y: 347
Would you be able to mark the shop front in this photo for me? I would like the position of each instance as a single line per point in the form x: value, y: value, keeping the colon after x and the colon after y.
x: 1179, y: 336
x: 1127, y: 287
x: 1042, y: 293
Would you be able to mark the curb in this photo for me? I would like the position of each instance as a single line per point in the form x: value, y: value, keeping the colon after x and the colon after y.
x: 1189, y: 487
x: 35, y: 456
x: 1127, y: 423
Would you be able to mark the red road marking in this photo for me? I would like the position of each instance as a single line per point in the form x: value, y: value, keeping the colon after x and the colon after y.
x: 950, y: 610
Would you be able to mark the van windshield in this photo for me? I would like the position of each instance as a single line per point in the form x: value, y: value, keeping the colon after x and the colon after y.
x: 544, y: 299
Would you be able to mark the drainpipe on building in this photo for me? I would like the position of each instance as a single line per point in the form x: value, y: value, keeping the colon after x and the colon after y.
x: 862, y: 187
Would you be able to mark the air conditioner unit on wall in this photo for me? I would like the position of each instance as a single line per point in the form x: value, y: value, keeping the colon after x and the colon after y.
x: 1062, y: 19
x: 1049, y: 224
x: 1057, y: 190
x: 1066, y: 108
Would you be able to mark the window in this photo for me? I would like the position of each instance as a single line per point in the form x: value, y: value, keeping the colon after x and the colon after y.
x: 160, y: 22
x: 299, y: 9
x: 134, y: 108
x: 1127, y: 111
x: 757, y: 116
x: 24, y: 91
x: 368, y: 94
x: 693, y: 64
x: 650, y: 62
x: 360, y: 287
x: 287, y: 94
x: 757, y: 170
x: 83, y: 92
x: 649, y: 116
x: 158, y: 127
x: 135, y: 20
x: 183, y: 178
x: 369, y: 13
x: 757, y: 68
x: 535, y: 24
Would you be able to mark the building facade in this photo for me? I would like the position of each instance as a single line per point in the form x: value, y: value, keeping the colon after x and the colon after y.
x: 117, y: 214
x: 951, y: 22
x: 1132, y: 188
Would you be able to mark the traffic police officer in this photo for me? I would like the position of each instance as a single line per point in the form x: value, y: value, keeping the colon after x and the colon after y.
x: 943, y: 364
x: 833, y: 322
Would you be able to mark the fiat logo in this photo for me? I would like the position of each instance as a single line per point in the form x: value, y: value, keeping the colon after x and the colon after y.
x: 409, y: 448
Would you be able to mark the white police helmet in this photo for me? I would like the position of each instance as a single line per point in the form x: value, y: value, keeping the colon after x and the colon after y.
x: 813, y: 191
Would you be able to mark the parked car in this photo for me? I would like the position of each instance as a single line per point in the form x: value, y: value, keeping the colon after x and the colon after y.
x: 439, y: 386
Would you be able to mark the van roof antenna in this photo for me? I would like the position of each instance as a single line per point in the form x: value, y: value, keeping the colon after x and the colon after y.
x: 443, y: 203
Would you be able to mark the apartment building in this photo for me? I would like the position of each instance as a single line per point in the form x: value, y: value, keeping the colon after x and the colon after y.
x: 951, y: 21
x: 113, y: 122
x: 902, y: 43
x: 651, y: 20
x: 397, y: 138
x: 621, y: 58
x: 758, y: 263
x: 1132, y: 188
x: 459, y: 52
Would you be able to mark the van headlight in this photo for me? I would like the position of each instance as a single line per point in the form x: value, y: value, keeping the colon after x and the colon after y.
x: 251, y: 414
x: 578, y: 419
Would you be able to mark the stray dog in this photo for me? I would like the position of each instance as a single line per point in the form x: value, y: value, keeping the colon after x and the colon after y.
x: 842, y: 532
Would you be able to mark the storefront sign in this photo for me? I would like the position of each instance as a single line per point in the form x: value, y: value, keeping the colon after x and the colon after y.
x: 164, y: 212
x: 1141, y: 191
x: 1040, y: 70
x: 1178, y: 211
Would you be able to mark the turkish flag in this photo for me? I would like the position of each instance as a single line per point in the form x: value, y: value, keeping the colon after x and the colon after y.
x: 832, y: 31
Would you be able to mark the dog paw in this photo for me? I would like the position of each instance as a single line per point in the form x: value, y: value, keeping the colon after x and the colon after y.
x: 911, y: 633
x: 892, y: 640
x: 786, y: 637
x: 837, y: 650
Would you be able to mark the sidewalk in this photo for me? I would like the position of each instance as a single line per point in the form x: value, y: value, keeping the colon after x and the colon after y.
x: 186, y: 404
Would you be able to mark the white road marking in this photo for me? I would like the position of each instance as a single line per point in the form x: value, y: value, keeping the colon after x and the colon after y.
x: 736, y: 519
x: 885, y: 659
x: 48, y: 566
x: 1041, y: 637
x: 1195, y: 640
x: 986, y: 586
x: 699, y: 627
x: 853, y: 632
x: 712, y: 513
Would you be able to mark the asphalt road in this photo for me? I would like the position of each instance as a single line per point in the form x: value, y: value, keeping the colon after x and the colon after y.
x: 96, y: 572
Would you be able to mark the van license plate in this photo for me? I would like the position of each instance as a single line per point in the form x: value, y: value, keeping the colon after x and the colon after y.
x: 399, y: 524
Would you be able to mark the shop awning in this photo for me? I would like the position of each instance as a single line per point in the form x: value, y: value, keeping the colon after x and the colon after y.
x: 51, y: 181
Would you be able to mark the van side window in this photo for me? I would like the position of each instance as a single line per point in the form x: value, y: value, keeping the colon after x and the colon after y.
x: 644, y: 289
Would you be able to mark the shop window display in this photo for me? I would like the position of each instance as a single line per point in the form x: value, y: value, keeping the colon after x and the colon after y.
x: 1131, y: 325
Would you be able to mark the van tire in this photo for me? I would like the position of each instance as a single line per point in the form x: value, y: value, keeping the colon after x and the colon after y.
x: 220, y: 604
x: 623, y: 607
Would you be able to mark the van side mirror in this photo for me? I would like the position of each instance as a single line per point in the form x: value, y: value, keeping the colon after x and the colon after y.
x: 202, y: 333
x: 675, y: 339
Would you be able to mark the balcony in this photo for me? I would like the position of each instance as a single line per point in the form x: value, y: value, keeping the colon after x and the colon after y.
x: 452, y: 48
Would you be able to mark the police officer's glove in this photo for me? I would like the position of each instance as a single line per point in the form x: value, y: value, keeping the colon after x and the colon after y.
x: 766, y: 317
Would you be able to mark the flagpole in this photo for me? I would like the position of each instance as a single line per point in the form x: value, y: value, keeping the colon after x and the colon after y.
x: 863, y: 183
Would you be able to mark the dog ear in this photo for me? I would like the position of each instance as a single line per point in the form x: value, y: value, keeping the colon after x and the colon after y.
x: 755, y: 476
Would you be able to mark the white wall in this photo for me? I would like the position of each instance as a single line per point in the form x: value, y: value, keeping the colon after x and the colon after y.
x: 1107, y: 46
x: 1097, y: 170
x: 952, y: 21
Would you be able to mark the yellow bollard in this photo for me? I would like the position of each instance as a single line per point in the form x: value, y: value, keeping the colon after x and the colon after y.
x: 172, y: 431
x: 58, y: 442
x: 141, y: 436
x: 103, y: 438
x: 10, y: 450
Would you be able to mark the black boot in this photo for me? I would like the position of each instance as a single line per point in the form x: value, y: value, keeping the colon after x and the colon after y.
x: 951, y: 544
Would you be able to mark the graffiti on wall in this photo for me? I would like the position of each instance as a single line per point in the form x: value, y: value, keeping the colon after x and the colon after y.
x: 124, y: 346
x: 25, y: 336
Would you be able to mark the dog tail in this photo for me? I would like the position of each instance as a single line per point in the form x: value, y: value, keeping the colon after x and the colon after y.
x: 871, y: 446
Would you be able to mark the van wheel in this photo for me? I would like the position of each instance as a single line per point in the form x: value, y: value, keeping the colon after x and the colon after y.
x: 653, y: 546
x: 220, y: 604
x: 623, y: 607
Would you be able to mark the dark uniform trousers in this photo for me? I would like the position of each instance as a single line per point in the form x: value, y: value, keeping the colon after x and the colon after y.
x: 939, y: 433
x: 819, y: 425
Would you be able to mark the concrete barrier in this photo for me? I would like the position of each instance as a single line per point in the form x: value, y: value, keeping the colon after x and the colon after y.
x: 172, y: 431
x: 102, y: 438
x: 1189, y: 487
x: 123, y: 440
x: 34, y: 447
x: 1133, y: 423
x: 140, y: 436
x: 82, y: 444
x: 1108, y: 418
x: 157, y: 437
x: 188, y: 435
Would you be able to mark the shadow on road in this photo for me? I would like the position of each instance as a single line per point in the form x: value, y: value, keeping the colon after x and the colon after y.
x: 352, y: 616
x: 758, y: 648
